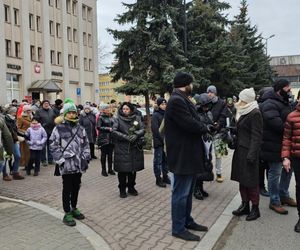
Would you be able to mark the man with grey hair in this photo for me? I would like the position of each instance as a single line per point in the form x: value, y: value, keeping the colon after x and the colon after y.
x: 219, y: 112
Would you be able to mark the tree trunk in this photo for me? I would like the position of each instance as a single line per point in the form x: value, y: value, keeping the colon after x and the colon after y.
x: 148, y: 116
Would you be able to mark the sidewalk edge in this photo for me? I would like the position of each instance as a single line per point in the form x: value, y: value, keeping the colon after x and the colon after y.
x: 95, y: 239
x: 214, y: 233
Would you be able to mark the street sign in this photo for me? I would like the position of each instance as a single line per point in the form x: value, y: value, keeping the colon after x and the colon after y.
x: 78, y: 91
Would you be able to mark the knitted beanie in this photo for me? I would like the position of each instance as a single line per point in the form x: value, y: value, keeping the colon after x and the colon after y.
x: 69, y: 106
x: 182, y: 79
x: 211, y: 89
x: 247, y: 95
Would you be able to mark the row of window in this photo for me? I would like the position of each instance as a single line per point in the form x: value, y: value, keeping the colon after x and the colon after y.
x: 105, y: 90
x: 104, y: 83
x: 7, y: 15
x: 87, y: 38
x: 86, y: 14
x: 36, y: 54
x: 8, y: 49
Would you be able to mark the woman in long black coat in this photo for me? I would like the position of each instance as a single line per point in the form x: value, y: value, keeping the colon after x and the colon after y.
x: 128, y: 132
x: 245, y: 162
x: 88, y: 120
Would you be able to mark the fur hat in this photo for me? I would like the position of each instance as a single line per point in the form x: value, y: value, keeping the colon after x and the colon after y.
x: 211, y: 89
x: 26, y: 108
x: 247, y: 95
x: 103, y: 106
x: 182, y: 79
x: 280, y: 84
x: 10, y: 110
x: 69, y: 106
x: 160, y: 101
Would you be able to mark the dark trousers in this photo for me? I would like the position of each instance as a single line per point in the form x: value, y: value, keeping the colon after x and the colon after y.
x: 160, y: 162
x: 107, y: 152
x: 92, y: 149
x: 263, y: 168
x: 126, y: 179
x: 71, y: 186
x: 250, y: 194
x: 181, y: 204
x: 295, y: 162
x: 35, y: 157
x: 46, y: 154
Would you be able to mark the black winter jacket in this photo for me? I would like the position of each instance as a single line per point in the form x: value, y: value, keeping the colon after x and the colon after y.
x: 220, y: 112
x: 104, y: 126
x: 274, y: 111
x: 128, y: 157
x: 46, y: 118
x: 156, y: 120
x: 88, y: 121
x: 183, y: 131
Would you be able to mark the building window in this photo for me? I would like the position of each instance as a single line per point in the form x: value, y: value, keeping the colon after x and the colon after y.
x: 32, y: 53
x: 51, y: 28
x: 40, y: 56
x: 68, y: 6
x: 90, y: 65
x: 83, y: 12
x: 74, y: 8
x: 31, y: 23
x: 38, y: 23
x: 57, y: 4
x: 90, y: 40
x: 50, y: 2
x: 70, y: 63
x: 58, y: 58
x: 89, y: 14
x: 75, y: 35
x: 52, y: 56
x: 16, y: 16
x: 6, y: 13
x: 76, y: 62
x: 17, y: 50
x: 84, y: 38
x: 85, y: 63
x: 58, y: 29
x: 69, y: 34
x: 8, y: 47
x: 12, y: 87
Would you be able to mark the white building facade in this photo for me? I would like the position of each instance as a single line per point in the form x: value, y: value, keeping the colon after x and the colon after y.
x: 49, y: 50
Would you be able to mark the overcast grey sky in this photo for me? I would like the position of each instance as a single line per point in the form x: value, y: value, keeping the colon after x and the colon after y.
x: 281, y: 18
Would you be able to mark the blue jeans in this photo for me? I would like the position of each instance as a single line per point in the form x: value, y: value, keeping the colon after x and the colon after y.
x: 46, y: 154
x: 160, y: 162
x: 17, y: 157
x: 181, y: 207
x: 278, y: 182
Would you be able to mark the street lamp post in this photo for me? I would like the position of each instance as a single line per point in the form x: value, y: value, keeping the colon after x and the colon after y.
x: 266, y: 43
x: 185, y: 28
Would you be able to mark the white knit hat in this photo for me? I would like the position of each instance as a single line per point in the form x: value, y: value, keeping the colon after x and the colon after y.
x: 247, y: 95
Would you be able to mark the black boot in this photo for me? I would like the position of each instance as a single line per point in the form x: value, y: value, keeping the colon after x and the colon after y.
x: 204, y: 193
x: 160, y: 183
x: 104, y: 173
x: 166, y: 179
x: 132, y: 191
x: 197, y: 193
x: 297, y: 227
x: 123, y: 193
x: 110, y: 171
x: 254, y: 214
x: 243, y: 209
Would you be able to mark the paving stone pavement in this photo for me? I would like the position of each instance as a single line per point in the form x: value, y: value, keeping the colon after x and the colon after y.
x: 142, y: 222
x: 23, y: 227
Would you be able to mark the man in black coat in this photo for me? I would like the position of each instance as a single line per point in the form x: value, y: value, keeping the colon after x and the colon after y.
x: 46, y: 116
x: 159, y: 160
x: 220, y: 112
x: 275, y: 108
x: 185, y: 155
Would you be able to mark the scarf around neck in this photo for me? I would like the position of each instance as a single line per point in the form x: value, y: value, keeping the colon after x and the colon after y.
x: 244, y: 110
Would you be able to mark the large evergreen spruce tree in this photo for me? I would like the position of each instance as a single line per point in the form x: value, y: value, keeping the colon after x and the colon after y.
x: 257, y: 67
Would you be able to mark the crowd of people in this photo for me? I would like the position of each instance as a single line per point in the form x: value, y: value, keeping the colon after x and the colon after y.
x: 263, y: 130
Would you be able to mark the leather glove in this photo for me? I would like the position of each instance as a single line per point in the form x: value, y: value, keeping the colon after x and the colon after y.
x: 132, y: 138
x: 210, y: 128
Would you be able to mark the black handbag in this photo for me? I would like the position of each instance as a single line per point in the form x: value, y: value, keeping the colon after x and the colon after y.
x: 57, y: 166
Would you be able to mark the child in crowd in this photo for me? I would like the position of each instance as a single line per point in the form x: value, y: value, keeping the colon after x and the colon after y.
x: 37, y: 138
